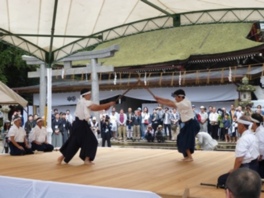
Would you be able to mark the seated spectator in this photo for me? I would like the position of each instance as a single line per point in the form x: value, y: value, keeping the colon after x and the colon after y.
x: 38, y: 138
x: 247, y: 149
x: 243, y: 183
x: 149, y: 134
x: 17, y: 138
x: 205, y: 141
x: 159, y: 134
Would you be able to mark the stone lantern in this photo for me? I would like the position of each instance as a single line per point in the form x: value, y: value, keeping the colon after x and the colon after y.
x: 245, y: 91
x: 5, y: 109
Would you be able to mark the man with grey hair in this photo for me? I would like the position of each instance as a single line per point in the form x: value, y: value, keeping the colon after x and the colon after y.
x: 247, y: 149
x: 243, y: 183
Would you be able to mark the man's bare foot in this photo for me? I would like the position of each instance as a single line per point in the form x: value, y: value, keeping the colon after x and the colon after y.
x: 187, y: 159
x: 60, y: 159
x: 88, y: 162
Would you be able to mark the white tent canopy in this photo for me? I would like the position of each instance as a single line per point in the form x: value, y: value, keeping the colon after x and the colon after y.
x: 8, y: 96
x: 66, y: 26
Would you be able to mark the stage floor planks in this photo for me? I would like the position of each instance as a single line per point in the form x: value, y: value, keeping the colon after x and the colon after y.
x: 156, y: 170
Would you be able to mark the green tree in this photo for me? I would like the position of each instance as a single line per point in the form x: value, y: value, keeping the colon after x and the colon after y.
x: 13, y: 70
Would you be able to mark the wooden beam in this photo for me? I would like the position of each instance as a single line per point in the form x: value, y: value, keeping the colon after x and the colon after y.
x: 70, y: 71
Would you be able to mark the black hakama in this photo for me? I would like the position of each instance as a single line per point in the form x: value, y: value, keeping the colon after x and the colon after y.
x: 16, y: 151
x: 186, y: 138
x: 81, y: 137
x: 42, y: 147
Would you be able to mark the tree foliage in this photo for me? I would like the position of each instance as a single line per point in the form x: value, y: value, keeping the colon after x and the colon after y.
x: 13, y: 70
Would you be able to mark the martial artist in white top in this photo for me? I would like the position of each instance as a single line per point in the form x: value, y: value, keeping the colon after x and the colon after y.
x: 38, y: 137
x: 18, y: 133
x: 82, y: 136
x: 257, y: 126
x: 206, y: 142
x: 186, y: 138
x: 17, y: 138
x: 247, y: 148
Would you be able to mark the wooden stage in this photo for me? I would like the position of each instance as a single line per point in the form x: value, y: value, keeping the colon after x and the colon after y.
x: 156, y: 170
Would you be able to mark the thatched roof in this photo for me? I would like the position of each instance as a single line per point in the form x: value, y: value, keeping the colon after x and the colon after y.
x: 179, y: 44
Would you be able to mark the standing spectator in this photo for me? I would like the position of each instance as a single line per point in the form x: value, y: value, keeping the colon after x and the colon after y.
x: 29, y: 125
x: 66, y: 126
x: 221, y: 129
x: 21, y: 116
x: 204, y: 118
x: 145, y: 121
x: 106, y: 131
x: 154, y: 119
x: 17, y: 138
x: 232, y: 112
x: 196, y: 115
x: 55, y: 111
x: 57, y: 130
x: 129, y: 123
x: 136, y: 126
x: 175, y: 126
x: 259, y: 110
x: 95, y: 127
x: 234, y: 133
x: 160, y: 113
x: 167, y: 123
x: 113, y: 119
x: 122, y: 119
x: 35, y: 117
x: 209, y: 128
x: 38, y: 138
x: 213, y: 118
x: 227, y: 125
x: 69, y: 116
x: 239, y: 112
x: 5, y: 130
x: 248, y: 111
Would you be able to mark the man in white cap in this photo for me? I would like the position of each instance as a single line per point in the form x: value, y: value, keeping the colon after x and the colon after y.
x: 17, y: 138
x: 38, y: 137
x: 82, y: 136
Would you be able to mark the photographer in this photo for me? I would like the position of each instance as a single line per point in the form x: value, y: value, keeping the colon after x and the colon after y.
x: 106, y: 131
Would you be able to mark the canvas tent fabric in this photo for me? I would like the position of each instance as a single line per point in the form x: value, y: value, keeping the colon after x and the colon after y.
x: 8, y: 96
x: 77, y: 23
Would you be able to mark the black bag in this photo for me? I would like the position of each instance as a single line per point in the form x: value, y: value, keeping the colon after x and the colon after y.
x: 221, y: 181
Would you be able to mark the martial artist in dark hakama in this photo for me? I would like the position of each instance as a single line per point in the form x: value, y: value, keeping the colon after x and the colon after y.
x: 186, y: 138
x: 82, y: 136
